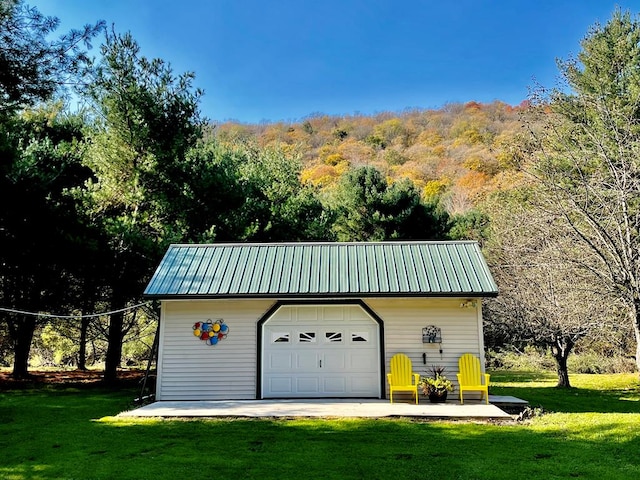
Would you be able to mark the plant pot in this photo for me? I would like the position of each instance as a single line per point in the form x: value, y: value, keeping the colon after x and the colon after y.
x: 438, y: 397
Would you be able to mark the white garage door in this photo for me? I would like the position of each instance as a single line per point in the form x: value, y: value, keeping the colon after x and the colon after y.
x: 312, y: 351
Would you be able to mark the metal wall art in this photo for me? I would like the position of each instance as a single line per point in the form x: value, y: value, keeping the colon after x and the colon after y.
x: 431, y: 334
x: 211, y: 331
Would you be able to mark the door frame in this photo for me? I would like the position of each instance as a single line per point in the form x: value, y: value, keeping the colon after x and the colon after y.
x: 355, y: 302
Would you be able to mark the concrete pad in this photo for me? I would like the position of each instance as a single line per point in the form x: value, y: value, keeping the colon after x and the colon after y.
x: 329, y: 408
x: 507, y: 400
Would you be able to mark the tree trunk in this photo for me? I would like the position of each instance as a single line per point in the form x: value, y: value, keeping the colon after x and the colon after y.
x: 563, y: 373
x: 114, y: 349
x: 23, y: 331
x: 636, y: 329
x: 82, y: 352
x: 561, y: 351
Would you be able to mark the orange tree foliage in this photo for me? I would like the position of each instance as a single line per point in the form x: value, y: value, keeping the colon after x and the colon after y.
x: 460, y: 152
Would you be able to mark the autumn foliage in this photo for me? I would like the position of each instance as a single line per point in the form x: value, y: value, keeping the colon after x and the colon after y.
x: 460, y: 152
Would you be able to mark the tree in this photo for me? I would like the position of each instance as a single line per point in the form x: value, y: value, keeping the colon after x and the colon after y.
x: 367, y: 209
x: 545, y: 300
x: 32, y: 66
x: 38, y: 163
x: 146, y: 121
x: 586, y: 155
x: 277, y: 206
x: 214, y: 193
x: 41, y: 235
x: 472, y: 225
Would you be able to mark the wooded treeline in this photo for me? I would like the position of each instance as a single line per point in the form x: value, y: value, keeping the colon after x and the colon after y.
x: 92, y: 198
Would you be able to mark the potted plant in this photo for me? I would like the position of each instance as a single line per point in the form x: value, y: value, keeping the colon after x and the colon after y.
x: 436, y: 385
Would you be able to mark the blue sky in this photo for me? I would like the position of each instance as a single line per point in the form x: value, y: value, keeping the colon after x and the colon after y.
x: 272, y: 60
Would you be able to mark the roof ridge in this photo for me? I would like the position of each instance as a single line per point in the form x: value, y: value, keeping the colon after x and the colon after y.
x: 325, y: 243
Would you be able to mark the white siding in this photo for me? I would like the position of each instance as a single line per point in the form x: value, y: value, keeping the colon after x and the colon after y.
x: 189, y: 369
x: 404, y: 319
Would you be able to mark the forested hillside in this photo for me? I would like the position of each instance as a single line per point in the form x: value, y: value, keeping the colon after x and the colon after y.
x: 459, y: 153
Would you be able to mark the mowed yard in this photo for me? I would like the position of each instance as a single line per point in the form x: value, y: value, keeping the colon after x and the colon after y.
x: 591, y: 431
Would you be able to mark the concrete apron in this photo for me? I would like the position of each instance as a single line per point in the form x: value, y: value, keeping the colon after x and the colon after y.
x: 327, y: 408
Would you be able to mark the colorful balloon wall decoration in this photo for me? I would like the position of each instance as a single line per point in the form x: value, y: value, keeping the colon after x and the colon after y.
x: 211, y: 331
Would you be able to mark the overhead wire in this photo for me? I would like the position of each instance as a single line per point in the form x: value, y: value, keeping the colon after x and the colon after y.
x: 74, y: 317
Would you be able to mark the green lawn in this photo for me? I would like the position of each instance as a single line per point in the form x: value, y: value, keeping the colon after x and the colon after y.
x: 592, y: 431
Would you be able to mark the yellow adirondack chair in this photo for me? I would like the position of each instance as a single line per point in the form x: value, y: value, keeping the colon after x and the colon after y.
x: 470, y: 377
x: 402, y: 378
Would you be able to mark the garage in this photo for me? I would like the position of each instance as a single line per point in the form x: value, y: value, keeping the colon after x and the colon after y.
x: 318, y: 351
x: 313, y: 319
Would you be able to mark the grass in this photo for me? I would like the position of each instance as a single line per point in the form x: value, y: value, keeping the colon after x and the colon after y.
x: 590, y: 432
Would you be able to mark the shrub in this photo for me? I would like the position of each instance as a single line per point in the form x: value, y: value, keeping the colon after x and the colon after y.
x: 534, y: 360
x: 529, y: 360
x: 593, y: 363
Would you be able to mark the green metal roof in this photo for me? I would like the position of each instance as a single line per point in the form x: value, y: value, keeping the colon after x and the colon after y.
x: 323, y: 270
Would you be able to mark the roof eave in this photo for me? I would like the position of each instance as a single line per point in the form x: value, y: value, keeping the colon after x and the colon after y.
x: 320, y: 295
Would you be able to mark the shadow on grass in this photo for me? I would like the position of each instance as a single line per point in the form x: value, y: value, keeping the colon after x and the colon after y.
x: 609, y: 397
x: 56, y: 434
x: 503, y: 376
x: 347, y: 449
x: 576, y: 400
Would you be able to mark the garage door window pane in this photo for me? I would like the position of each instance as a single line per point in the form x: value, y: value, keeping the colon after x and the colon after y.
x: 333, y: 336
x: 280, y: 337
x: 359, y: 337
x: 307, y: 337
